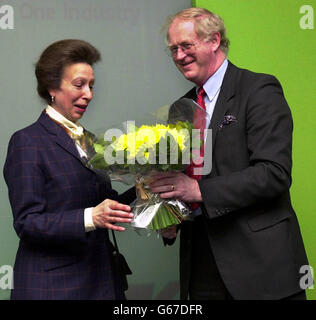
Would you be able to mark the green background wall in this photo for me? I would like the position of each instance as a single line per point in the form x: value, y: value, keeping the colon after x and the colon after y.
x: 266, y: 37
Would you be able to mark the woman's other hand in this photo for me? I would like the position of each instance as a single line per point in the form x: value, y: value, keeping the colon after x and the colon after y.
x: 109, y: 212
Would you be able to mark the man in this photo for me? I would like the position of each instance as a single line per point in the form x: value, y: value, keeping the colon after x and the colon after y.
x: 246, y: 243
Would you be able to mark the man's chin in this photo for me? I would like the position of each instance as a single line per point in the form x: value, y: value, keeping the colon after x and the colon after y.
x: 189, y: 76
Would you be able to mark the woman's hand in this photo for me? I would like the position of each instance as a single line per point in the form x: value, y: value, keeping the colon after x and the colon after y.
x: 176, y: 185
x: 109, y: 212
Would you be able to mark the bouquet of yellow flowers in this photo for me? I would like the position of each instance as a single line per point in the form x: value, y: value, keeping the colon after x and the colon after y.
x: 143, y: 150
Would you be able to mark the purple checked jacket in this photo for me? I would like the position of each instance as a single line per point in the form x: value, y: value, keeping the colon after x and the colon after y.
x: 49, y: 188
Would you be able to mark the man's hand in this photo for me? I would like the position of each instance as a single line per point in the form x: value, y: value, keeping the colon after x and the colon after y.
x: 109, y: 212
x: 176, y: 185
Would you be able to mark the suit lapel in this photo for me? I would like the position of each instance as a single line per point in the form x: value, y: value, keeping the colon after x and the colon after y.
x: 224, y: 100
x: 59, y: 135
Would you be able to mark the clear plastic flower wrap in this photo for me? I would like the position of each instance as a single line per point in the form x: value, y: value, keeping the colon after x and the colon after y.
x: 166, y: 142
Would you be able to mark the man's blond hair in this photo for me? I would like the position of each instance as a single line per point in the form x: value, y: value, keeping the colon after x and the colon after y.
x: 206, y: 24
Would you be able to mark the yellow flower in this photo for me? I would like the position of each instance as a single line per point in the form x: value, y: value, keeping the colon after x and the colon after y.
x: 146, y: 137
x: 120, y: 143
x: 180, y: 136
x: 162, y: 130
x: 131, y: 145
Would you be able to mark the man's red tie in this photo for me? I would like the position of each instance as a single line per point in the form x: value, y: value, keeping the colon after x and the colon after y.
x: 199, y: 122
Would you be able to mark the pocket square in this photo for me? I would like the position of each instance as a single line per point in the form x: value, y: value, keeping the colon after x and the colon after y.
x: 228, y: 119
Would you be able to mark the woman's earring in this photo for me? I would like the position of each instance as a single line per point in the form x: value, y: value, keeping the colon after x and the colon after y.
x: 53, y: 99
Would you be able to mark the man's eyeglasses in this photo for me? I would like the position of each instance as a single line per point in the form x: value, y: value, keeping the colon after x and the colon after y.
x: 186, y: 48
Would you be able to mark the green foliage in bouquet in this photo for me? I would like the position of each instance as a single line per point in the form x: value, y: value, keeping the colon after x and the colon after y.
x: 166, y: 216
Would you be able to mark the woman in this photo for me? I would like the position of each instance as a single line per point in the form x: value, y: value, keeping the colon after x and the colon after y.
x: 62, y: 209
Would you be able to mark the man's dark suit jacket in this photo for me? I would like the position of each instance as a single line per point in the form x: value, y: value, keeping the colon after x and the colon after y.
x: 49, y: 188
x: 251, y: 226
